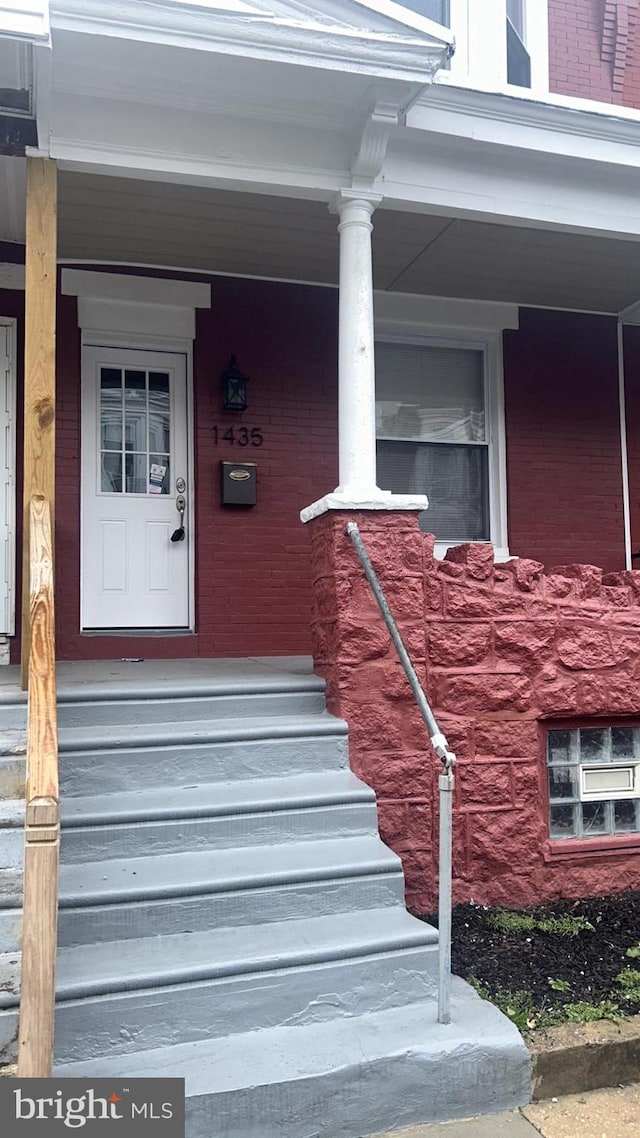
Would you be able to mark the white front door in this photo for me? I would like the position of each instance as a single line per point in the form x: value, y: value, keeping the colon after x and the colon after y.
x: 134, y: 472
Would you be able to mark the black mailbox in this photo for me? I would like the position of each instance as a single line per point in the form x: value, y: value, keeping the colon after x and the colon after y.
x: 238, y: 483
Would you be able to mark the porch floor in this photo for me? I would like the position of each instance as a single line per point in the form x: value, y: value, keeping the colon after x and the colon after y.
x: 109, y: 678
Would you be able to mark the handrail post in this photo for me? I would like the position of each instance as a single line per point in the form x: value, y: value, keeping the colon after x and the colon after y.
x: 446, y: 781
x: 42, y: 824
x: 446, y: 784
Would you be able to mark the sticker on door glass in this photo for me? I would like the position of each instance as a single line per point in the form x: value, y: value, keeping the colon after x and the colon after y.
x: 156, y: 477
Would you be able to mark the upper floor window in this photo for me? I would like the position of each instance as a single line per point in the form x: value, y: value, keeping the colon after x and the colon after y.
x: 499, y: 43
x: 518, y: 61
x: 437, y: 10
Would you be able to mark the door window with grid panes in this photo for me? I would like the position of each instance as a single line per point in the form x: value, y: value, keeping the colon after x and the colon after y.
x: 135, y: 431
x: 594, y: 781
x: 432, y: 438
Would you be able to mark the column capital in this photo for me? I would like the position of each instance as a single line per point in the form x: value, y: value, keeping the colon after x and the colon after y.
x: 352, y: 200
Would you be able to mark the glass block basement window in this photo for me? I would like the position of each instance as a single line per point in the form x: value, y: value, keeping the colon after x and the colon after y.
x: 594, y: 782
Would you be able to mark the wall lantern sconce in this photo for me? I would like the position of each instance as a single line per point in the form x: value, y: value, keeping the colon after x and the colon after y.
x: 234, y: 387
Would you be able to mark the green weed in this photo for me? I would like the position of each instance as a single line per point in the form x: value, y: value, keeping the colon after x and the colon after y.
x: 559, y: 985
x: 629, y: 981
x: 588, y: 1013
x: 506, y: 921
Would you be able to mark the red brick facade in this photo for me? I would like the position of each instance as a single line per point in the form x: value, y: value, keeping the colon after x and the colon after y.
x: 564, y: 481
x: 562, y: 421
x: 594, y: 50
x: 504, y: 651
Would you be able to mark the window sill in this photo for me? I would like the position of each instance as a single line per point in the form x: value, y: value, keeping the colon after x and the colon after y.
x: 490, y: 86
x: 579, y: 849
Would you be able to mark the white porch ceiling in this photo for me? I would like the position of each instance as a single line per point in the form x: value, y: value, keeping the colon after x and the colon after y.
x: 111, y: 220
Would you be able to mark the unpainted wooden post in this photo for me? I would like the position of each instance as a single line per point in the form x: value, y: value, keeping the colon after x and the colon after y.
x: 42, y: 830
x: 39, y: 361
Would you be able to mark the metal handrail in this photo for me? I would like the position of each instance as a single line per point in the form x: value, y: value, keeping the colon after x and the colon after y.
x: 446, y: 781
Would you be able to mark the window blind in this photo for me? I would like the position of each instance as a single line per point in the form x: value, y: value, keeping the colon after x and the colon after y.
x: 430, y: 422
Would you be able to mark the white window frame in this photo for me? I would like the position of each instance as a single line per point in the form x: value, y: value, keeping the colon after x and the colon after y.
x: 480, y: 59
x: 609, y: 793
x: 490, y: 344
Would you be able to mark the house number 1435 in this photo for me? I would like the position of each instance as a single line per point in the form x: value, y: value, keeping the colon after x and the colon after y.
x: 239, y: 436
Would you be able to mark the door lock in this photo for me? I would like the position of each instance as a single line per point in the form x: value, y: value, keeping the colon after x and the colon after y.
x: 181, y: 505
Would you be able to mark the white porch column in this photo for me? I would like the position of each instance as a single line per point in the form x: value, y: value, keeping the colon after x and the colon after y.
x: 357, y: 488
x: 356, y: 355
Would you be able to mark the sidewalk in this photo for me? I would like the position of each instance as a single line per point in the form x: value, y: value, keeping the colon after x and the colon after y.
x: 611, y: 1113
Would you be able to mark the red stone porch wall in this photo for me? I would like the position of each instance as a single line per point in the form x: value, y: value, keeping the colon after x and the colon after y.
x: 503, y: 651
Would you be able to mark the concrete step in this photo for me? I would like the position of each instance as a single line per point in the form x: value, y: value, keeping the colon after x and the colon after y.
x: 118, y: 899
x: 216, y: 815
x: 143, y: 698
x: 138, y: 995
x: 206, y: 706
x: 105, y: 760
x: 11, y: 833
x: 351, y: 1075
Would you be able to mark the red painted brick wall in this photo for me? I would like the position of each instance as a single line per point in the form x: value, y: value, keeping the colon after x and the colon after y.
x: 576, y: 65
x: 252, y: 569
x: 252, y: 572
x: 503, y: 651
x: 564, y: 466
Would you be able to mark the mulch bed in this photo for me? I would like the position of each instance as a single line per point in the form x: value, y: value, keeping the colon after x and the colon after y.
x: 554, y: 969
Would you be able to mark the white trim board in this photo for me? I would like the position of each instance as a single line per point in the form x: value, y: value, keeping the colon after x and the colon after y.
x: 121, y: 304
x: 412, y: 313
x: 143, y: 290
x: 12, y: 277
x: 26, y: 19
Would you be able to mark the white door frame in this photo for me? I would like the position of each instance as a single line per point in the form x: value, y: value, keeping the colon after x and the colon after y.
x: 177, y: 346
x: 8, y: 609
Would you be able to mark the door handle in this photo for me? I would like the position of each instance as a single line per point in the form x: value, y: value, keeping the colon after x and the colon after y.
x: 181, y: 505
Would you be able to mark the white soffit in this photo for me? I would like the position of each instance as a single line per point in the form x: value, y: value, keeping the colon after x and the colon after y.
x: 404, y: 313
x: 25, y: 19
